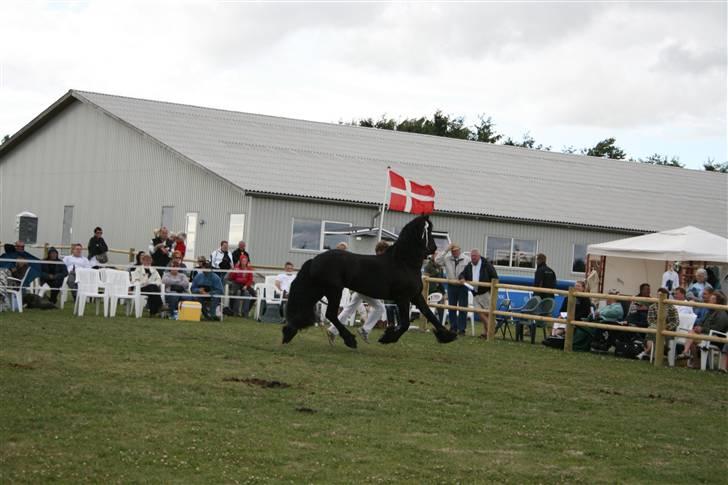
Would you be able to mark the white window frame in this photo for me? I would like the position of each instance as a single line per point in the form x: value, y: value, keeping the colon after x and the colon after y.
x: 322, y: 234
x: 573, y: 255
x: 233, y: 239
x: 510, y: 252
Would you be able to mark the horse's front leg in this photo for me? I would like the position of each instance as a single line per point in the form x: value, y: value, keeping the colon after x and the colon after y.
x: 442, y: 334
x: 392, y: 334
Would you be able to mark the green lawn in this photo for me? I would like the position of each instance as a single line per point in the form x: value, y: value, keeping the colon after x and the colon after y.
x: 125, y: 400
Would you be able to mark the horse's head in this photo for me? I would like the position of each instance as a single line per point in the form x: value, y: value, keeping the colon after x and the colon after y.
x: 417, y: 236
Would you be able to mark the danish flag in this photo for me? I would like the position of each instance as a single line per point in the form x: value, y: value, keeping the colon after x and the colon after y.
x: 409, y: 196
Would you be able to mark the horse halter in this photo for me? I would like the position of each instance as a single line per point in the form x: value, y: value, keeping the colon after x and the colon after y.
x: 426, y: 233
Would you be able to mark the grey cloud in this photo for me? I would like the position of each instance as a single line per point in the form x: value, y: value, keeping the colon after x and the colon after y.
x: 678, y: 58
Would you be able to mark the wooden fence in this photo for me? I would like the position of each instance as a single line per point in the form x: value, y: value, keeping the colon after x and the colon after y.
x: 570, y: 322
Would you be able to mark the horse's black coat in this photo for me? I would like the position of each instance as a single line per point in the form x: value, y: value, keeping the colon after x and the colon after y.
x: 394, y: 275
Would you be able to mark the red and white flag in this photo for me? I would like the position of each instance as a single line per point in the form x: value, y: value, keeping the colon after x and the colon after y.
x: 409, y: 196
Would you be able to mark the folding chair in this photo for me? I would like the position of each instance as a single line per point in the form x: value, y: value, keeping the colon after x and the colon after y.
x: 503, y: 322
x: 528, y: 308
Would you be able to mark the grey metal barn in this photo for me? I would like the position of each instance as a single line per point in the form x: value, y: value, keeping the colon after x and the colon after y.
x: 130, y: 165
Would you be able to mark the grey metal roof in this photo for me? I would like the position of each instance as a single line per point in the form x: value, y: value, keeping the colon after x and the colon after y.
x: 284, y: 156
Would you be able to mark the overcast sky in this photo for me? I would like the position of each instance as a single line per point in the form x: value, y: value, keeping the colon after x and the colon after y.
x: 653, y: 75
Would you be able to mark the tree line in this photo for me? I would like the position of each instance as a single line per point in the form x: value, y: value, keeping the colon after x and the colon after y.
x: 441, y: 124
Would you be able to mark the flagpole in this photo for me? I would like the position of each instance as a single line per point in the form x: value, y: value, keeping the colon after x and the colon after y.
x: 384, y: 202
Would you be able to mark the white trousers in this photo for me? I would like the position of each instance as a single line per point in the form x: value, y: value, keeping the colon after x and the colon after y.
x: 376, y: 312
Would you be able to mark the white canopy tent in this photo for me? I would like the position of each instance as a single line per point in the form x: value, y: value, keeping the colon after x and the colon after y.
x: 642, y: 259
x: 684, y: 244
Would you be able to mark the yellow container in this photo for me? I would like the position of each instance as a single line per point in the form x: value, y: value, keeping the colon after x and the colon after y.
x: 190, y: 311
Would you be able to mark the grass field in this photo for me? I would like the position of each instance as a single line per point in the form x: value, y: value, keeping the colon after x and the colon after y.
x: 124, y: 400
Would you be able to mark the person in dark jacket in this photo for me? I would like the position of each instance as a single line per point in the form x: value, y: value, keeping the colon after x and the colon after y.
x: 53, y: 272
x: 545, y: 277
x: 240, y: 250
x: 161, y: 249
x: 479, y: 269
x: 97, y: 247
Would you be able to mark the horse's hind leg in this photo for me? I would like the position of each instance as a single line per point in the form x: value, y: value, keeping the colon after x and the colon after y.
x: 332, y: 313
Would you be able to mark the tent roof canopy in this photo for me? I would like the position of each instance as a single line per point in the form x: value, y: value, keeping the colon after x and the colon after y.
x: 683, y: 244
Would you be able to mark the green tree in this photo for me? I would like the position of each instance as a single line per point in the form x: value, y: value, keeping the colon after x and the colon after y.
x: 657, y: 159
x: 711, y: 165
x: 440, y: 125
x: 527, y: 142
x: 605, y: 149
x: 485, y: 130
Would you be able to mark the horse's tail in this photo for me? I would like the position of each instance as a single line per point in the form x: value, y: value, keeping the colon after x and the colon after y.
x: 302, y: 299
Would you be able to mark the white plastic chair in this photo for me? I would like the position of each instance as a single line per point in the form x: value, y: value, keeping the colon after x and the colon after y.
x: 64, y: 292
x: 118, y: 284
x: 89, y: 287
x: 708, y: 350
x: 266, y: 292
x: 686, y: 324
x: 16, y: 296
x: 471, y: 315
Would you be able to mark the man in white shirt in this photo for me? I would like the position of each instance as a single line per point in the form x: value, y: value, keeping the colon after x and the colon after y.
x: 76, y: 259
x: 670, y: 278
x: 221, y: 259
x: 680, y: 294
x: 73, y: 261
x: 283, y: 281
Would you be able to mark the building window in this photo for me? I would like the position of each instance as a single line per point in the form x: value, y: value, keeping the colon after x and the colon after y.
x: 237, y: 224
x: 306, y: 234
x: 331, y: 240
x: 512, y: 253
x: 442, y: 240
x: 316, y: 235
x: 578, y: 262
x: 191, y: 230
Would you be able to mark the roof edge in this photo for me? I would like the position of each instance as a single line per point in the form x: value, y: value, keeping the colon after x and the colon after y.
x: 36, y: 123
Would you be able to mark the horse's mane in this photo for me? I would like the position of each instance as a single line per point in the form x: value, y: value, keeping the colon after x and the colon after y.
x: 409, y: 245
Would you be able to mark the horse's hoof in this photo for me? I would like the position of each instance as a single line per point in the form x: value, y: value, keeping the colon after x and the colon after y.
x: 288, y: 333
x: 350, y: 342
x: 389, y: 337
x: 445, y: 336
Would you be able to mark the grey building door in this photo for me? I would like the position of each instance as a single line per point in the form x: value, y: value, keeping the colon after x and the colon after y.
x: 168, y: 217
x: 67, y: 231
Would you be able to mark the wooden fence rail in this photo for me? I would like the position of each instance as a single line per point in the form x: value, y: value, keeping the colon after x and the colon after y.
x: 659, y: 331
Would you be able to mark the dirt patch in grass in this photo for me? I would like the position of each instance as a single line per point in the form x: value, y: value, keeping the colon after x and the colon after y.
x: 305, y: 410
x: 258, y: 382
x: 15, y: 365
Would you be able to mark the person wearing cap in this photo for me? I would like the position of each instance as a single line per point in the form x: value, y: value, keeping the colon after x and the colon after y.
x: 209, y: 286
x: 457, y: 295
x: 52, y: 273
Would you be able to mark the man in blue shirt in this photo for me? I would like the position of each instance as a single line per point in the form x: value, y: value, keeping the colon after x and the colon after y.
x: 209, y: 286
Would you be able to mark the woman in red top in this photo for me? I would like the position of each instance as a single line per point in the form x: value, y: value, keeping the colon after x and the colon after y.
x: 242, y: 284
x: 180, y: 244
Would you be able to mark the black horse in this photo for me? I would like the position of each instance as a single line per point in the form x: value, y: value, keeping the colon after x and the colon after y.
x: 394, y: 275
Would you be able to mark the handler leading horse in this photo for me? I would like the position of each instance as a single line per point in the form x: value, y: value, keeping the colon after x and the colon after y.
x: 394, y: 275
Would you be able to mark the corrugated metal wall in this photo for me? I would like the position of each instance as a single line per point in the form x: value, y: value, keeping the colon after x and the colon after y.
x: 271, y: 228
x: 114, y: 177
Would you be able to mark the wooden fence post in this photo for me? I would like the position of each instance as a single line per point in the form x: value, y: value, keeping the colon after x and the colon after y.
x: 45, y: 250
x: 131, y: 255
x: 425, y: 294
x: 570, y: 314
x: 492, y: 307
x: 659, y: 347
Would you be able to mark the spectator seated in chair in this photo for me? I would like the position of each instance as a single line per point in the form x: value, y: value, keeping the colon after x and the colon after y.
x: 637, y: 313
x: 242, y: 284
x: 209, y: 286
x: 715, y: 320
x: 175, y: 282
x: 73, y: 261
x: 697, y: 287
x: 582, y: 310
x: 672, y: 321
x: 149, y: 281
x: 97, y: 248
x: 53, y: 273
